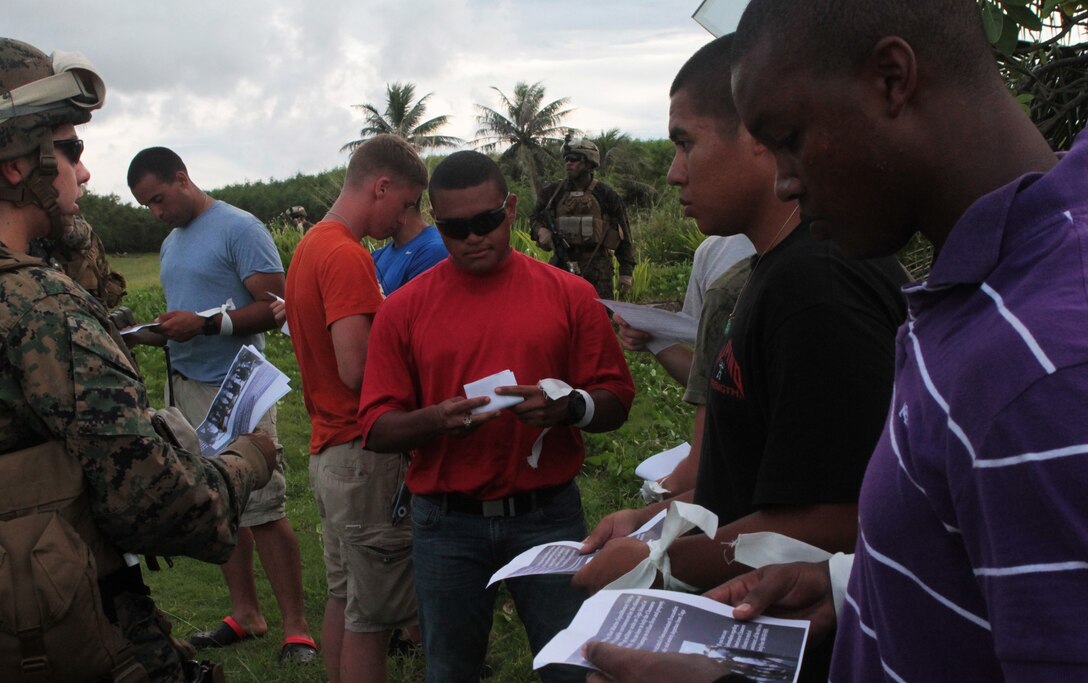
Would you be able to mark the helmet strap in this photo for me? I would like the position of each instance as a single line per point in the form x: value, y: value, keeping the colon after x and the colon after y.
x: 37, y: 188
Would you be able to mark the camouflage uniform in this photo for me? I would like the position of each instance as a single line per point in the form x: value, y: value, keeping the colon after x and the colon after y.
x: 594, y: 260
x: 64, y: 378
x: 82, y: 257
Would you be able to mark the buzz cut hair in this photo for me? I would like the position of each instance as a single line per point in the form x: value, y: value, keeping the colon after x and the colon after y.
x: 462, y: 170
x: 705, y: 79
x: 161, y: 162
x: 825, y: 36
x: 386, y: 154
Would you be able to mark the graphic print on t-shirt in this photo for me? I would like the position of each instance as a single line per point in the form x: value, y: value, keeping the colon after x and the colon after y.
x: 726, y: 378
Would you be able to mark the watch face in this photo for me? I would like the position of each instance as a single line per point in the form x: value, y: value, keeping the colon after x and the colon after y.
x: 576, y: 407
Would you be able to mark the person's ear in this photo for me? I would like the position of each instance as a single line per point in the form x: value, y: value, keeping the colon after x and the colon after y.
x: 381, y: 186
x: 182, y: 179
x: 512, y: 206
x: 13, y: 171
x: 893, y: 68
x: 754, y: 146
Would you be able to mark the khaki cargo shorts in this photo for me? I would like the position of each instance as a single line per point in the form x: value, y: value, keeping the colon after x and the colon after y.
x: 368, y: 561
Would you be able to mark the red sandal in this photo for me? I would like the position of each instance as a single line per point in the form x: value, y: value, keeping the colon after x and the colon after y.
x: 228, y: 633
x: 298, y: 650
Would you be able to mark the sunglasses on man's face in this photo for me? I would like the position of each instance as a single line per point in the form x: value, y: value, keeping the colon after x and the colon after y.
x: 480, y: 224
x: 71, y: 148
x: 570, y: 158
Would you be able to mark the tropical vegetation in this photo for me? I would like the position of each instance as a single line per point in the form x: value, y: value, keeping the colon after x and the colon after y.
x: 529, y: 130
x: 403, y: 116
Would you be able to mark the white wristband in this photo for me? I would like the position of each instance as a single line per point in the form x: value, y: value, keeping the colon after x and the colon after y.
x: 226, y: 327
x: 590, y: 407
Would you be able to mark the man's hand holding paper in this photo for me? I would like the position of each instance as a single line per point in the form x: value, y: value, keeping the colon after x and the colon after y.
x: 535, y: 408
x: 457, y: 416
x: 631, y: 338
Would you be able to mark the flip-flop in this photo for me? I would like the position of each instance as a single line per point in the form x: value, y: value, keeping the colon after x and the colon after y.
x: 228, y: 633
x: 298, y: 650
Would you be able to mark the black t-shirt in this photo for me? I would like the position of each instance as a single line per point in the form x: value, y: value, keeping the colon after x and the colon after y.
x: 802, y: 384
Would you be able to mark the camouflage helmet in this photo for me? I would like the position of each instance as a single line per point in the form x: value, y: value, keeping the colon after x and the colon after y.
x: 586, y: 148
x: 297, y: 211
x: 39, y: 92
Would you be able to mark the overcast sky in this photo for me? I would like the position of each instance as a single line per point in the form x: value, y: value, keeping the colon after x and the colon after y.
x: 247, y: 90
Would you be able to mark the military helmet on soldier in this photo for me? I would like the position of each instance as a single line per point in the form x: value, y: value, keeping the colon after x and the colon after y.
x: 297, y: 211
x: 586, y: 148
x: 37, y: 94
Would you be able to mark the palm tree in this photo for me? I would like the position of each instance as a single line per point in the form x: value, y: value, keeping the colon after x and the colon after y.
x: 403, y: 117
x: 526, y: 126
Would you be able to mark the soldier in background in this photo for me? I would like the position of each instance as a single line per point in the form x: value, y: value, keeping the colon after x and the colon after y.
x: 71, y: 403
x: 297, y: 215
x: 590, y: 220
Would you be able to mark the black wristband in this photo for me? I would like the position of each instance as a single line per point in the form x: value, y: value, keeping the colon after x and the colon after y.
x: 211, y: 327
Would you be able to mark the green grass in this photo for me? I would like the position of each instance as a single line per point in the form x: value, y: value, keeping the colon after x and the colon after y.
x: 140, y: 270
x: 194, y: 594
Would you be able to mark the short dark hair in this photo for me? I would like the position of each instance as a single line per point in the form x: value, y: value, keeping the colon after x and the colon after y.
x: 705, y: 77
x: 161, y: 162
x: 465, y: 169
x: 839, y: 35
x: 386, y: 153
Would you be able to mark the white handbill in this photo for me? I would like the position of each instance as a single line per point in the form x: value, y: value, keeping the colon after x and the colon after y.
x: 661, y: 465
x: 486, y: 386
x: 667, y: 328
x: 763, y: 648
x: 280, y: 299
x: 562, y: 557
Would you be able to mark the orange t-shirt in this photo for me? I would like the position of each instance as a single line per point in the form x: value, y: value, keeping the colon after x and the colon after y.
x: 331, y: 277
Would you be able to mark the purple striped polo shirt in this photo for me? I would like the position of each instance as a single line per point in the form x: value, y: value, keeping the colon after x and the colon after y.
x: 972, y: 556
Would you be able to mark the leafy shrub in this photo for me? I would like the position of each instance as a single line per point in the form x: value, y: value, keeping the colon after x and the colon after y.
x: 662, y: 234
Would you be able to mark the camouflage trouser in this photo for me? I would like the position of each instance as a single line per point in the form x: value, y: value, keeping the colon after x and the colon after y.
x: 148, y: 629
x: 598, y: 271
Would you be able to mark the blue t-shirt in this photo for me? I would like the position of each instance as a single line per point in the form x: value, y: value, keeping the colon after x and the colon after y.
x: 397, y: 265
x: 204, y: 264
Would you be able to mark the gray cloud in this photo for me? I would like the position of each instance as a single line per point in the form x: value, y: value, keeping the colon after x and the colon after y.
x: 249, y: 90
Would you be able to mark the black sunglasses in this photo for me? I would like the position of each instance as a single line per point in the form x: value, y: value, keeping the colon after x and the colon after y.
x: 480, y: 224
x: 573, y: 157
x: 71, y: 148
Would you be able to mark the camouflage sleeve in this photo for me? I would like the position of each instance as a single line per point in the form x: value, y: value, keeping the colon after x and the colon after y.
x: 146, y: 496
x: 625, y: 254
x: 613, y: 205
x: 538, y: 219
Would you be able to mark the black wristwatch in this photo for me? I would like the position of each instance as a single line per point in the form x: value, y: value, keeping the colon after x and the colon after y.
x: 576, y: 407
x: 211, y: 326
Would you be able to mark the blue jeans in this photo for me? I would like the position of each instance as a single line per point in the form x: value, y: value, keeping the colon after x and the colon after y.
x: 454, y: 556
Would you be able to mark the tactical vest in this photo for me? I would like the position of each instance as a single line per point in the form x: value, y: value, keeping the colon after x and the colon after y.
x: 53, y: 621
x: 579, y: 217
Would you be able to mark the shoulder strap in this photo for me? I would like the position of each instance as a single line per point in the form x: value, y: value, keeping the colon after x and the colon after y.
x: 10, y: 260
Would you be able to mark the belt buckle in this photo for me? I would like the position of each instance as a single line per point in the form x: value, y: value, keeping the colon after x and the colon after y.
x: 493, y: 508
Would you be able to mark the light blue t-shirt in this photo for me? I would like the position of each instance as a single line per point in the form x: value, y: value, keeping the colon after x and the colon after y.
x: 202, y: 265
x: 397, y: 265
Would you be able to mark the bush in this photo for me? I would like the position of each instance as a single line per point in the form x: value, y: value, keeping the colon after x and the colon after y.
x: 662, y: 234
x: 123, y: 228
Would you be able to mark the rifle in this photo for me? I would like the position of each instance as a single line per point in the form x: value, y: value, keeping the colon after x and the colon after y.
x: 559, y: 241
